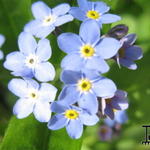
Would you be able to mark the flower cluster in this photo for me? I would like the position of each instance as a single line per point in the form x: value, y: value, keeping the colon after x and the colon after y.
x: 87, y: 95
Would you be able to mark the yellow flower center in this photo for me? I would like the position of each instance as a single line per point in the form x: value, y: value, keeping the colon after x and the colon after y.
x: 93, y: 14
x: 71, y: 114
x: 33, y: 94
x: 121, y: 52
x: 87, y: 51
x: 84, y: 85
x: 31, y: 61
x: 108, y: 101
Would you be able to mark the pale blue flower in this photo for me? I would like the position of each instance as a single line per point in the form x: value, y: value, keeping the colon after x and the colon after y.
x: 47, y: 19
x: 93, y: 10
x: 32, y: 98
x: 2, y: 40
x: 32, y: 59
x: 87, y: 50
x: 84, y: 87
x: 71, y: 117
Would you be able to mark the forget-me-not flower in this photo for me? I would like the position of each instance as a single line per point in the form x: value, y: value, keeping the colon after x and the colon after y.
x: 2, y: 40
x: 71, y: 117
x: 118, y: 102
x: 95, y: 11
x: 87, y: 50
x: 32, y: 59
x: 129, y: 52
x: 84, y: 88
x: 32, y: 98
x: 47, y: 19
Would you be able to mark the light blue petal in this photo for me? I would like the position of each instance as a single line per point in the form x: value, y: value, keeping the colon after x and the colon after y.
x: 18, y: 87
x: 37, y: 28
x: 40, y: 10
x: 77, y: 13
x: 57, y: 122
x: 63, y: 19
x: 128, y: 63
x: 109, y: 122
x: 70, y: 95
x: 73, y: 45
x: 97, y: 63
x: 83, y: 4
x: 44, y: 72
x: 23, y: 108
x: 90, y: 32
x: 27, y: 43
x: 59, y: 106
x: 74, y: 129
x: 44, y: 51
x: 72, y: 62
x: 70, y: 77
x: 14, y: 61
x: 32, y: 83
x: 107, y: 47
x: 1, y: 55
x: 91, y: 74
x: 104, y: 88
x: 88, y: 119
x: 89, y: 102
x: 101, y: 7
x: 121, y: 117
x: 61, y: 9
x: 47, y: 92
x: 2, y: 40
x: 63, y: 93
x: 109, y: 18
x: 109, y: 111
x: 133, y: 53
x: 42, y: 111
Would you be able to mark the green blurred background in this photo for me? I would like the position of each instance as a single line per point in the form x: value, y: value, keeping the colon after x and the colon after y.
x: 136, y: 14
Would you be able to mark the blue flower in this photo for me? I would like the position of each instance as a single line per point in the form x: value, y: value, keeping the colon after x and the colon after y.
x: 110, y: 105
x: 32, y: 59
x: 87, y: 50
x: 128, y: 53
x: 46, y: 19
x: 32, y: 98
x: 2, y: 40
x: 84, y: 88
x: 71, y: 117
x: 95, y: 11
x: 120, y: 118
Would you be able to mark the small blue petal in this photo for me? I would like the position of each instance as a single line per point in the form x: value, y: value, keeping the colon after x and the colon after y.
x: 61, y: 9
x: 101, y: 7
x: 89, y: 102
x: 128, y: 63
x: 109, y: 111
x: 44, y: 50
x: 44, y: 72
x: 121, y: 117
x: 129, y: 39
x: 57, y: 122
x: 104, y: 88
x: 133, y: 53
x: 106, y: 50
x: 63, y: 19
x: 74, y: 128
x: 83, y: 4
x: 1, y: 55
x: 72, y: 62
x: 2, y: 40
x: 70, y: 77
x: 23, y: 108
x: 88, y: 119
x: 90, y: 32
x: 40, y: 10
x: 18, y: 87
x: 109, y: 18
x: 73, y: 45
x: 42, y: 111
x: 97, y: 63
x: 27, y: 43
x: 77, y: 13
